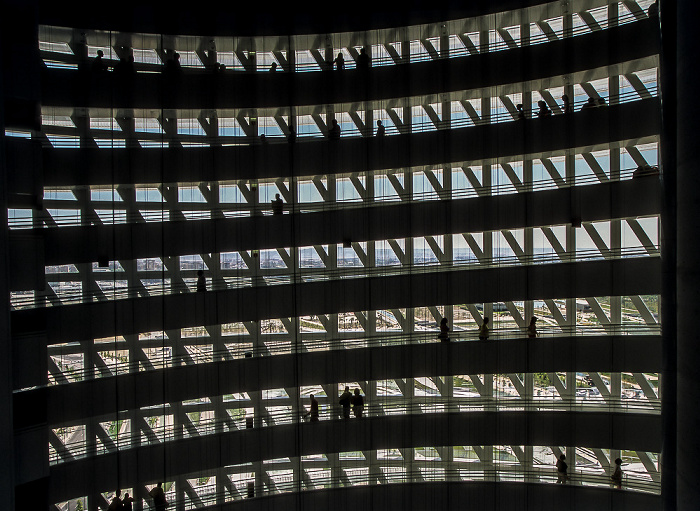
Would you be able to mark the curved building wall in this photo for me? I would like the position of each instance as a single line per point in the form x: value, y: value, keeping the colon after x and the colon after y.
x: 169, y: 317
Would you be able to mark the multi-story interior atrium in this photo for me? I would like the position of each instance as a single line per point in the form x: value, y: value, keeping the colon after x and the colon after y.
x: 210, y: 234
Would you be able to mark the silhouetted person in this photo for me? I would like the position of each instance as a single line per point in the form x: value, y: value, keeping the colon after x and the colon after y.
x: 313, y: 410
x: 201, y: 281
x: 381, y: 130
x: 222, y: 69
x: 98, y: 65
x: 292, y: 135
x: 273, y: 67
x: 263, y: 139
x: 277, y: 205
x: 173, y: 65
x: 600, y: 102
x: 172, y: 72
x: 590, y: 103
x: 521, y: 112
x: 345, y: 400
x: 653, y: 10
x: 562, y: 467
x: 544, y: 110
x: 339, y: 61
x: 334, y: 132
x: 567, y: 104
x: 127, y: 501
x: 116, y: 504
x: 363, y: 60
x: 532, y: 327
x: 158, y: 496
x: 484, y: 330
x: 616, y: 477
x: 358, y: 404
x: 444, y: 329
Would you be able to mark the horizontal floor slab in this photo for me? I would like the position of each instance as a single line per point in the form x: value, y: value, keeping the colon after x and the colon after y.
x: 205, y: 90
x: 151, y: 463
x: 508, y: 140
x: 73, y: 245
x: 65, y: 403
x: 136, y: 315
x: 482, y: 495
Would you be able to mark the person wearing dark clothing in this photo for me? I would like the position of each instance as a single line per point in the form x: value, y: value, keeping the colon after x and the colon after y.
x: 158, y: 496
x: 273, y: 67
x: 544, y: 109
x: 567, y: 104
x: 345, y: 400
x: 444, y: 329
x: 201, y: 281
x: 98, y: 65
x: 381, y: 130
x: 616, y: 477
x: 277, y: 205
x: 562, y: 467
x: 313, y: 409
x: 334, y: 132
x: 591, y: 103
x: 521, y: 112
x: 172, y: 72
x: 532, y: 327
x: 363, y: 61
x: 116, y: 504
x: 358, y: 404
x: 600, y: 102
x: 173, y: 65
x: 484, y: 330
x: 339, y: 61
x: 127, y: 502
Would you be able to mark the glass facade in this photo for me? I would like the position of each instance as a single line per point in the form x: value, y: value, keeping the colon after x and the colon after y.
x: 210, y: 252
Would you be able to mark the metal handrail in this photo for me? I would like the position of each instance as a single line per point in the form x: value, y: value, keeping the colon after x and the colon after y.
x: 333, y: 411
x: 303, y: 275
x: 344, y: 341
x: 196, y: 211
x: 66, y: 139
x: 71, y: 61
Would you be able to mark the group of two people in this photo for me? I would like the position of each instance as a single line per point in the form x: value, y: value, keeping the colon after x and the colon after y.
x: 563, y: 475
x: 484, y: 329
x: 346, y: 400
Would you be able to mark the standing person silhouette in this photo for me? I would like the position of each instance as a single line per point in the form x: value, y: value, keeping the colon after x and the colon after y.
x: 358, y: 404
x: 444, y: 329
x: 562, y: 467
x: 127, y: 502
x: 201, y: 281
x: 616, y: 477
x: 158, y: 496
x: 532, y: 327
x: 381, y: 130
x: 345, y: 400
x: 339, y: 61
x: 313, y: 409
x: 277, y: 205
x: 334, y: 132
x: 363, y: 60
x: 484, y: 330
